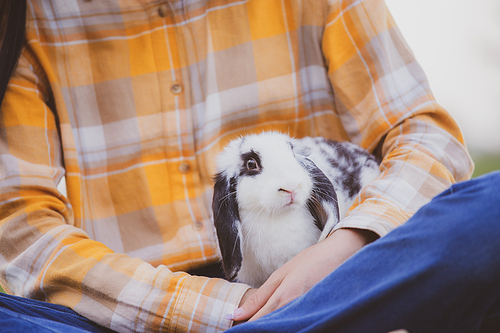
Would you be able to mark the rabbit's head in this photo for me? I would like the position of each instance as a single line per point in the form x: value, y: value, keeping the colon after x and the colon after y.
x: 263, y: 179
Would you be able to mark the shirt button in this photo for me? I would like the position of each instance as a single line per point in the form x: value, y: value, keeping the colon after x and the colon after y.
x: 198, y: 225
x: 184, y: 167
x: 162, y: 10
x: 176, y: 88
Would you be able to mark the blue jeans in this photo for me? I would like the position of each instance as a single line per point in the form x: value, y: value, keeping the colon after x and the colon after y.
x: 439, y: 272
x: 18, y: 314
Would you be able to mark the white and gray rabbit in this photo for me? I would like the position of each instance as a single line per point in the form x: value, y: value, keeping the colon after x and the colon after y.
x: 275, y: 195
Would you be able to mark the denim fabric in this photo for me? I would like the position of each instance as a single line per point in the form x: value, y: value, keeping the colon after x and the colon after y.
x: 19, y: 314
x: 439, y: 272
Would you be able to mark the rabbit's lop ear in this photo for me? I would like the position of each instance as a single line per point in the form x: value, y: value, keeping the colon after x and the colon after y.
x: 323, y: 203
x: 227, y: 224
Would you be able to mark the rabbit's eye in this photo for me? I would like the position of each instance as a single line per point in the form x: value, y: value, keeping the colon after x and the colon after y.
x: 252, y: 164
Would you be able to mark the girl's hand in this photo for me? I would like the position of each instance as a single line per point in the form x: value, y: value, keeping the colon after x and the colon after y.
x: 301, y: 273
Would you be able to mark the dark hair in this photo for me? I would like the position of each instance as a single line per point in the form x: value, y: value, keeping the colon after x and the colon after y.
x: 12, y: 31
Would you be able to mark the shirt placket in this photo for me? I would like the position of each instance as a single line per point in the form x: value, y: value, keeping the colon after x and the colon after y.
x: 177, y: 118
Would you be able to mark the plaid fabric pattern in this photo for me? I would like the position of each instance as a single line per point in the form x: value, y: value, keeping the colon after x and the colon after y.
x: 132, y: 99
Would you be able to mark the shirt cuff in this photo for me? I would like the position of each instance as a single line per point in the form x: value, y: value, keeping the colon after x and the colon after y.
x: 203, y: 304
x: 378, y: 218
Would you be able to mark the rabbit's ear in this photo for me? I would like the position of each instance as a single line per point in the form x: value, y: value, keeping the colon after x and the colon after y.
x: 323, y: 203
x: 227, y: 224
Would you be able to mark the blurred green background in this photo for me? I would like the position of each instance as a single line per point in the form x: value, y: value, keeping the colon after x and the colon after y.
x: 484, y: 163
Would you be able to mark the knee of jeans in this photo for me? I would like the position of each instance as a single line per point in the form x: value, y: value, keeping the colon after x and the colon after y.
x: 484, y: 189
x: 481, y: 198
x: 490, y: 189
x: 493, y: 177
x: 474, y: 206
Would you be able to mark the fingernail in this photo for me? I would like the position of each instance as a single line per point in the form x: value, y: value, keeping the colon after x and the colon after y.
x: 230, y: 315
x: 233, y: 314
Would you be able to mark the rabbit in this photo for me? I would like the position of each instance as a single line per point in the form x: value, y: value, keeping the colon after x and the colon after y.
x: 275, y: 195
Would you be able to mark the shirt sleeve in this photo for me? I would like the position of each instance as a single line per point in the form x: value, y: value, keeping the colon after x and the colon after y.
x: 385, y: 103
x: 44, y: 256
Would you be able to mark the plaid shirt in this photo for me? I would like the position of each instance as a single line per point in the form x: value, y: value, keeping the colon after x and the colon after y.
x: 132, y: 99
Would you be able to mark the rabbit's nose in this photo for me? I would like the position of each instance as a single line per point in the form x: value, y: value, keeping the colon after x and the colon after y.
x: 290, y: 187
x: 292, y: 193
x: 285, y: 190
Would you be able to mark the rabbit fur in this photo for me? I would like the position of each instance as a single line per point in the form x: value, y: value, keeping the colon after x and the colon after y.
x: 275, y: 195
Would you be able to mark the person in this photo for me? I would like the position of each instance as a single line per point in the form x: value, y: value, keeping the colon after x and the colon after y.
x: 131, y: 101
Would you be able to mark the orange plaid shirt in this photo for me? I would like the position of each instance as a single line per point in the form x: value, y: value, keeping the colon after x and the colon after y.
x: 132, y: 99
